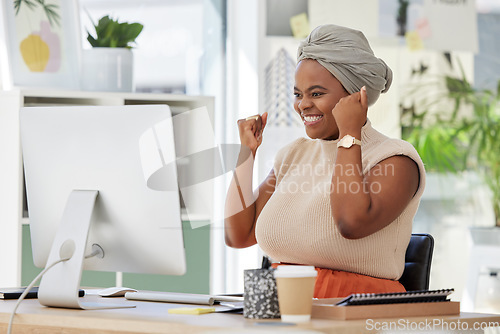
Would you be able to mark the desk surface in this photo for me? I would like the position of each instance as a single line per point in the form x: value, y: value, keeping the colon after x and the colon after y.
x: 151, y: 317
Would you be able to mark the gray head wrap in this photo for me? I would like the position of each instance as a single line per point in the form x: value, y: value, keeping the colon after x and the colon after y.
x: 347, y: 55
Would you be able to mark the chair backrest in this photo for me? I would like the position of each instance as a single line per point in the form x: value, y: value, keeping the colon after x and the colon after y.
x: 418, y: 260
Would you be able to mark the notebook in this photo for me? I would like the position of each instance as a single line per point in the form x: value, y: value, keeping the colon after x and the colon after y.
x: 418, y: 296
x: 184, y: 298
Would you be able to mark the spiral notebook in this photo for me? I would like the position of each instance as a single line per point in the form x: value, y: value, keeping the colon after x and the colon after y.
x: 418, y: 296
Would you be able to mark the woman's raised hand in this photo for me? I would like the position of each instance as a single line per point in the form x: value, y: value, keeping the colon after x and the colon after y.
x: 350, y: 112
x: 251, y: 129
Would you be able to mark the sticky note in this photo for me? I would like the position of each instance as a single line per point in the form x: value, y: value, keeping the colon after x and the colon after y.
x: 191, y: 310
x: 413, y: 41
x: 423, y: 28
x: 300, y: 25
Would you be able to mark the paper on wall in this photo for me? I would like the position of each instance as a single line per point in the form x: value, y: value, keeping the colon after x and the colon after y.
x: 452, y: 25
x: 356, y: 14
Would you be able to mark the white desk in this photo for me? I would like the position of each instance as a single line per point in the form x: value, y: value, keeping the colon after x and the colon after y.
x: 150, y: 317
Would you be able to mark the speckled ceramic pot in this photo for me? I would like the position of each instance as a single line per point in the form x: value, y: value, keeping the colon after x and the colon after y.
x: 261, y: 297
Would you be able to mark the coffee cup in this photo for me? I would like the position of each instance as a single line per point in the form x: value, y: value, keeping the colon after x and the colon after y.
x: 295, y: 292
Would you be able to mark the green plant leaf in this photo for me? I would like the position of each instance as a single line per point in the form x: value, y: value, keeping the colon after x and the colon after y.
x: 92, y: 40
x: 452, y: 140
x: 17, y: 5
x: 49, y: 9
x: 52, y: 14
x: 440, y: 149
x: 111, y: 33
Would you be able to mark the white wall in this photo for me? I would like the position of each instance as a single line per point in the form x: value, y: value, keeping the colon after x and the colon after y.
x: 242, y: 101
x: 170, y: 46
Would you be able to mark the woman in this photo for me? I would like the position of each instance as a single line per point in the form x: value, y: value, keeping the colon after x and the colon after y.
x: 343, y: 200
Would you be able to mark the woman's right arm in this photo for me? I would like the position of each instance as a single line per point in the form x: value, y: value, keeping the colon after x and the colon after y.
x: 243, y: 206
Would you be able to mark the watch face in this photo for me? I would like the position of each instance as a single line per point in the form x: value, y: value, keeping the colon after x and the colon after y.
x: 346, y: 141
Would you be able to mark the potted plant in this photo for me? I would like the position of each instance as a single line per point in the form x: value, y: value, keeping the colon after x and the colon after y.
x: 463, y: 137
x: 112, y: 34
x: 402, y: 16
x: 108, y: 65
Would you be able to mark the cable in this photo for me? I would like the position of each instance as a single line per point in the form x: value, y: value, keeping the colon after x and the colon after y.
x: 96, y: 251
x: 65, y: 252
x: 25, y: 292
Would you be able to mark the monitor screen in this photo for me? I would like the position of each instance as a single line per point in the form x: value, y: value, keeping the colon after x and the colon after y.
x: 115, y: 165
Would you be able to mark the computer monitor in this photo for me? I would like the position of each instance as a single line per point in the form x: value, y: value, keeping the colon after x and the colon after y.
x: 101, y: 178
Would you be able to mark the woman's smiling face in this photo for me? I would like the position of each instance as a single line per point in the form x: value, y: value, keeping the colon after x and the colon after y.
x: 317, y: 92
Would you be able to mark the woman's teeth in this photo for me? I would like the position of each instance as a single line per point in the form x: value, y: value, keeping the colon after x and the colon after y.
x: 312, y: 118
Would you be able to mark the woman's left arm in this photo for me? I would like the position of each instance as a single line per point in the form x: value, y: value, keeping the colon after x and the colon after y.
x: 364, y: 204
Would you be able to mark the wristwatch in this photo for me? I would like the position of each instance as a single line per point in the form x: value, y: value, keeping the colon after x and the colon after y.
x: 347, y: 141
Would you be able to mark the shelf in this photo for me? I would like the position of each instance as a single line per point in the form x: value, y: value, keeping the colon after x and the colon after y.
x: 184, y: 217
x: 12, y: 193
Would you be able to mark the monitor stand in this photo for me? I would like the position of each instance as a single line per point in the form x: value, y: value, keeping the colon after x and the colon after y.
x: 60, y: 285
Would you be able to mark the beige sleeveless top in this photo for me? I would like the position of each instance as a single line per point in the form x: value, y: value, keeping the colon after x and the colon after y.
x: 296, y: 224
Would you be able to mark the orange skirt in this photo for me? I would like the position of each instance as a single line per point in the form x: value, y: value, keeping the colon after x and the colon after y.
x: 335, y: 284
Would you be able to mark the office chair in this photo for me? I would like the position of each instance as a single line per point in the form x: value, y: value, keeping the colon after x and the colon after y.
x: 418, y: 258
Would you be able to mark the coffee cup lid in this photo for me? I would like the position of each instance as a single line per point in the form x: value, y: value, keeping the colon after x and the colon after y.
x: 295, y: 271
